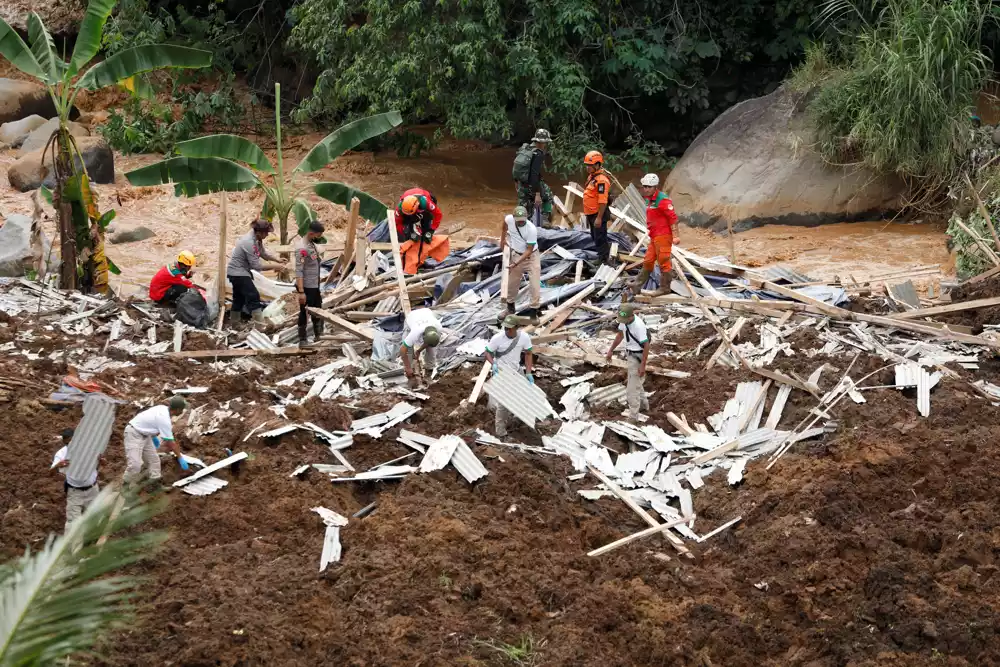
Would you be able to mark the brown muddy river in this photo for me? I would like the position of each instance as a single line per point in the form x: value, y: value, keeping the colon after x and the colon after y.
x: 473, y: 187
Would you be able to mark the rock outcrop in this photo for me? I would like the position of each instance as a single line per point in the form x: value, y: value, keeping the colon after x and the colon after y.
x: 28, y: 172
x: 756, y: 165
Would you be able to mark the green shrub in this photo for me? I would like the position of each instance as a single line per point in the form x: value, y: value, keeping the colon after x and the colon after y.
x: 900, y: 104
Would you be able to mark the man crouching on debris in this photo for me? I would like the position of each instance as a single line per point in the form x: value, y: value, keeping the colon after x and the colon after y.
x: 508, y: 348
x: 423, y: 337
x: 633, y: 330
x: 140, y: 433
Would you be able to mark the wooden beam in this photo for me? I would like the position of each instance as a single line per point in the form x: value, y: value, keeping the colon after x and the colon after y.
x: 677, y: 543
x: 361, y: 332
x: 983, y: 212
x: 698, y: 277
x: 340, y: 267
x: 220, y: 278
x: 477, y: 389
x: 679, y: 424
x: 223, y: 354
x: 950, y: 308
x: 823, y: 307
x: 504, y: 274
x: 640, y: 535
x: 404, y: 297
x: 178, y: 335
x: 575, y: 299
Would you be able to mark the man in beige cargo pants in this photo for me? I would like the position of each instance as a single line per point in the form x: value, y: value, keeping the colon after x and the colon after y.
x: 140, y: 450
x: 633, y: 330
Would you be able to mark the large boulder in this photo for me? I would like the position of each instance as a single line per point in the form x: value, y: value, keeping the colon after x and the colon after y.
x: 28, y: 172
x: 756, y: 165
x: 131, y: 234
x: 20, y: 99
x: 22, y: 246
x: 40, y: 136
x: 15, y: 132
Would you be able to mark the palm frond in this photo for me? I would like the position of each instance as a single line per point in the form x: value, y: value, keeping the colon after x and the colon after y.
x: 58, y: 601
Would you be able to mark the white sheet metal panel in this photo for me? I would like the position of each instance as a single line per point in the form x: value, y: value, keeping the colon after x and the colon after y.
x: 439, y: 454
x: 91, y: 436
x: 330, y: 517
x: 626, y: 430
x: 736, y: 472
x: 385, y: 471
x: 599, y: 458
x: 572, y: 401
x: 608, y: 394
x: 635, y: 462
x: 331, y: 547
x: 205, y: 472
x: 923, y: 393
x: 569, y: 382
x: 259, y: 341
x: 466, y: 463
x: 281, y: 430
x: 659, y: 440
x: 778, y: 406
x: 524, y: 400
x: 205, y: 486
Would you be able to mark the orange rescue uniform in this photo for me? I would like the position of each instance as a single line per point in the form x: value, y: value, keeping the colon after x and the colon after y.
x: 596, y: 192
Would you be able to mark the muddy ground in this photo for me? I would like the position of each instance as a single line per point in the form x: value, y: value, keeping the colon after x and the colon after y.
x: 875, y: 545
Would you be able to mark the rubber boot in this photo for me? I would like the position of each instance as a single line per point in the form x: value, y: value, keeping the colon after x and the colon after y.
x: 317, y: 329
x: 511, y: 309
x: 640, y: 281
x: 235, y: 319
x: 533, y: 315
x: 258, y: 316
x: 303, y: 336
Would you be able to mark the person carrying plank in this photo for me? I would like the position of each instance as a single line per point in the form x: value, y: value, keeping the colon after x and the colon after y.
x: 143, y: 435
x: 509, y: 348
x: 79, y: 492
x: 307, y: 262
x: 632, y: 329
x: 423, y: 335
x: 522, y: 237
x: 596, y: 203
x: 661, y: 225
x: 247, y: 257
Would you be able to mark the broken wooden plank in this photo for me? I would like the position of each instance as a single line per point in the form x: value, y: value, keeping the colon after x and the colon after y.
x: 677, y: 543
x: 363, y: 333
x: 477, y: 389
x: 178, y: 335
x: 778, y: 406
x: 640, y: 535
x: 950, y: 308
x: 397, y: 258
x: 224, y: 463
x: 575, y: 299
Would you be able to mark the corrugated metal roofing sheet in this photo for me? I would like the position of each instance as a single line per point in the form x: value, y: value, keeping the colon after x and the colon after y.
x: 205, y: 486
x: 607, y: 394
x: 439, y: 454
x: 331, y: 547
x: 466, y: 463
x: 524, y: 400
x: 259, y: 341
x: 91, y: 437
x: 781, y: 274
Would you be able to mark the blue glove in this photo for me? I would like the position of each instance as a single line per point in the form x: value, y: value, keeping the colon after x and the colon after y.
x: 496, y: 368
x: 184, y: 464
x: 156, y: 442
x: 531, y: 378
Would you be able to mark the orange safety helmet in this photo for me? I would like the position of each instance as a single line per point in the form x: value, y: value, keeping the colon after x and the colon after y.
x: 593, y: 157
x: 410, y: 205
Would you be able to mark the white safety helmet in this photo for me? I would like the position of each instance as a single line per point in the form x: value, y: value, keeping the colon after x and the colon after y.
x: 650, y: 180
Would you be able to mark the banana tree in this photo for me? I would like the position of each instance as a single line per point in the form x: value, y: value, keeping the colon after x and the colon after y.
x: 227, y: 163
x: 81, y: 226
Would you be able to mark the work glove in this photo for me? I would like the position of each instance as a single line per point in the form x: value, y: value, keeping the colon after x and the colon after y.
x: 184, y: 464
x: 428, y: 235
x: 414, y: 236
x: 496, y: 368
x: 156, y: 442
x: 531, y: 378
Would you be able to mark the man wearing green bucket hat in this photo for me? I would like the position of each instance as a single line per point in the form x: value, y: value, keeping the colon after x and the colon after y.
x: 632, y: 329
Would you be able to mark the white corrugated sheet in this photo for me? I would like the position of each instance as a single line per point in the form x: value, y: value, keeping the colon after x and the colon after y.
x: 205, y: 486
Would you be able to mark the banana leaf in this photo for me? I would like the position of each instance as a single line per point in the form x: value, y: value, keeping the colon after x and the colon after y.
x: 347, y: 137
x: 141, y: 59
x: 304, y: 214
x: 339, y: 193
x: 13, y: 48
x: 196, y: 176
x: 229, y: 147
x: 88, y: 39
x: 44, y: 50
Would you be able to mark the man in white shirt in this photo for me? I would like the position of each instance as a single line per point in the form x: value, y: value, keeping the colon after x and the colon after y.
x: 522, y: 238
x: 79, y: 492
x: 633, y: 330
x: 507, y: 349
x: 139, y: 434
x: 422, y: 336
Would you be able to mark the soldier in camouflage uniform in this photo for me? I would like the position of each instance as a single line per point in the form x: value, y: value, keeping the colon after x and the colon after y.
x: 532, y: 191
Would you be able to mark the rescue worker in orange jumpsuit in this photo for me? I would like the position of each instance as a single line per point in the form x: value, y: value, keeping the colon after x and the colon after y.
x: 661, y: 224
x: 417, y: 207
x: 417, y: 218
x: 596, y: 199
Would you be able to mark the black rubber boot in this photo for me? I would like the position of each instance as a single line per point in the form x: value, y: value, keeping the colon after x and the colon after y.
x: 235, y: 319
x: 511, y: 309
x: 317, y: 329
x: 303, y: 336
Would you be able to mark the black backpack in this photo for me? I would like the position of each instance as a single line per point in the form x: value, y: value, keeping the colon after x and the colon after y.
x: 192, y: 309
